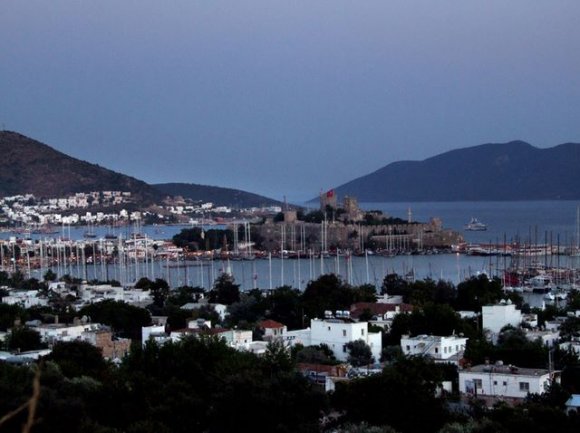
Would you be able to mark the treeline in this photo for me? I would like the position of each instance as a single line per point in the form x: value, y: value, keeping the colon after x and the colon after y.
x: 202, y: 385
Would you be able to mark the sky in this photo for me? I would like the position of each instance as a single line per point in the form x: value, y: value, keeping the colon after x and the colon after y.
x: 285, y: 98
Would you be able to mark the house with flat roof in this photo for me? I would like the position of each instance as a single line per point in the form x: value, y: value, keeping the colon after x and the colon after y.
x: 507, y: 382
x: 441, y: 349
x: 336, y: 334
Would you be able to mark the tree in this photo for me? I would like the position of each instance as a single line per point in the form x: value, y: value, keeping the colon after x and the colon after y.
x: 144, y: 284
x: 277, y: 357
x: 316, y: 355
x: 49, y: 275
x: 402, y: 396
x: 184, y: 295
x: 475, y: 292
x: 225, y: 291
x: 23, y: 339
x: 359, y: 353
x: 160, y: 292
x: 78, y: 358
x: 125, y: 319
x: 328, y: 292
x: 284, y: 305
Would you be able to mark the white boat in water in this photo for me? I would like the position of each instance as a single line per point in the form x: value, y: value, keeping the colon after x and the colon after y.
x: 475, y: 225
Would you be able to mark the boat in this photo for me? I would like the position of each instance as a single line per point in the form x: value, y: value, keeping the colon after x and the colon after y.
x: 475, y: 226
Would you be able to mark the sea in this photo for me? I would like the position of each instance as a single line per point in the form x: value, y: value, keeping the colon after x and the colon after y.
x: 553, y: 222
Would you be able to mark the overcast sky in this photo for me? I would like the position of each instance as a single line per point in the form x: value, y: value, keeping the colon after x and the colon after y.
x: 285, y: 97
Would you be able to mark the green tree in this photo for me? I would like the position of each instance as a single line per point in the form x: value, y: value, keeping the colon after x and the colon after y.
x: 49, y: 275
x: 125, y: 320
x: 160, y: 292
x: 284, y: 305
x: 23, y: 339
x: 328, y: 292
x: 395, y: 397
x: 394, y: 284
x: 225, y: 291
x: 359, y: 353
x: 79, y: 358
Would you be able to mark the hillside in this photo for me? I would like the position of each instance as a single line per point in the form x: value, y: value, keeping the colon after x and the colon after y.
x: 488, y: 172
x: 217, y: 195
x: 28, y: 166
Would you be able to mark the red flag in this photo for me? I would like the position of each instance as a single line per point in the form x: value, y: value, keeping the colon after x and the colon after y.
x: 330, y: 193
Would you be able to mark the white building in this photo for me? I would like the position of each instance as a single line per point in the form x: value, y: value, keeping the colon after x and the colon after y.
x: 272, y: 329
x: 446, y: 349
x: 100, y: 292
x: 154, y: 332
x: 572, y: 346
x: 336, y: 334
x: 25, y: 298
x: 504, y: 381
x: 497, y: 316
x: 547, y: 338
x: 53, y: 332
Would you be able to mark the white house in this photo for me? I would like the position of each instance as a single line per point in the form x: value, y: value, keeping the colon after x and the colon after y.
x: 155, y: 333
x: 548, y: 338
x: 572, y: 346
x: 497, y: 316
x: 54, y: 332
x: 442, y: 349
x: 336, y: 334
x: 25, y: 298
x: 272, y: 329
x: 504, y: 381
x: 100, y: 292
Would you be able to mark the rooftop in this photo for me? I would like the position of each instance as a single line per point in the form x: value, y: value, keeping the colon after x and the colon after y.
x: 271, y: 324
x: 507, y: 369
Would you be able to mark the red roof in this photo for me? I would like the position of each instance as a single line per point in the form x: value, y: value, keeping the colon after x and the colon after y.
x: 270, y: 324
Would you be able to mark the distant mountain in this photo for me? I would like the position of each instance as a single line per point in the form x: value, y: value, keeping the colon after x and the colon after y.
x: 28, y: 166
x: 217, y: 195
x: 488, y: 172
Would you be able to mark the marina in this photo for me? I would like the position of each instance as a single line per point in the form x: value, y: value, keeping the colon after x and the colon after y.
x: 544, y: 239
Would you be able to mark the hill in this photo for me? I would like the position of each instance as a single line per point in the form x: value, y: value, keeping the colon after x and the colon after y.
x: 217, y: 195
x: 28, y: 166
x: 488, y: 172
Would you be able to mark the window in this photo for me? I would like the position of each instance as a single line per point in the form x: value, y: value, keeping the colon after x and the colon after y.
x: 329, y: 328
x: 477, y: 383
x: 436, y: 350
x: 525, y: 386
x: 408, y: 348
x: 344, y: 332
x: 495, y: 383
x: 362, y: 332
x: 344, y: 348
x: 504, y: 383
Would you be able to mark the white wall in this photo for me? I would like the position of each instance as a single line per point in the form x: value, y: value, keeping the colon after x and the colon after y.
x: 503, y: 384
x: 496, y: 317
x: 336, y: 334
x: 434, y: 346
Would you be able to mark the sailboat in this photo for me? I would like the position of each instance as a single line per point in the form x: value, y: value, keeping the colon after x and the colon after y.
x: 90, y: 233
x: 475, y: 225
